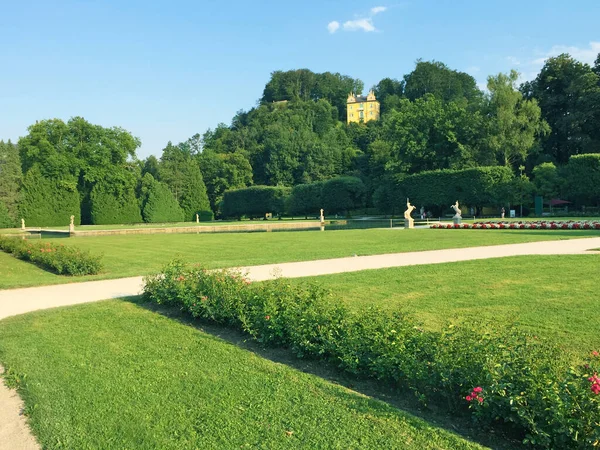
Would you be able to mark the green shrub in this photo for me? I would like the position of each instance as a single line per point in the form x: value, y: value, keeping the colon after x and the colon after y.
x: 254, y: 201
x: 109, y: 205
x: 205, y: 216
x: 161, y: 206
x: 63, y: 260
x: 506, y: 378
x: 305, y: 199
x: 341, y: 194
x: 45, y: 202
x: 5, y: 220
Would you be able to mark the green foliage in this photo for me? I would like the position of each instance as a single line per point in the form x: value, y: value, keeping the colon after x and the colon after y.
x: 160, y: 205
x: 582, y: 175
x: 568, y: 93
x: 519, y: 380
x: 481, y: 186
x: 342, y: 194
x: 255, y: 201
x: 48, y: 202
x: 305, y: 199
x: 109, y: 205
x: 205, y: 216
x: 6, y: 221
x: 10, y: 178
x: 180, y: 171
x: 547, y: 180
x: 59, y: 259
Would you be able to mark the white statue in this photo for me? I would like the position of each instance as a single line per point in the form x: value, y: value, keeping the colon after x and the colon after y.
x: 456, y: 209
x: 409, y: 209
x: 197, y: 218
x: 22, y: 224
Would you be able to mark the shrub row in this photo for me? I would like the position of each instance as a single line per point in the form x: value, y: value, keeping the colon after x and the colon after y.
x: 538, y: 225
x: 506, y: 378
x: 56, y: 258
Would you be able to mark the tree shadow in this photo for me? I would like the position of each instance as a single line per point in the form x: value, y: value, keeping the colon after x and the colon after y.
x: 404, y: 401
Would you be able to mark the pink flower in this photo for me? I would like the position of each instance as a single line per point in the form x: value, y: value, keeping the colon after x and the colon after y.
x: 480, y: 399
x: 468, y: 398
x: 595, y: 353
x: 478, y: 389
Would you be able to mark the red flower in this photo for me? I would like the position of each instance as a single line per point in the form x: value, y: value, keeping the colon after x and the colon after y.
x: 478, y: 389
x: 595, y: 353
x: 267, y: 317
x: 480, y: 399
x: 468, y: 398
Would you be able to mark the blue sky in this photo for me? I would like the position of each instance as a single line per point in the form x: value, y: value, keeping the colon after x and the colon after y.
x: 167, y: 70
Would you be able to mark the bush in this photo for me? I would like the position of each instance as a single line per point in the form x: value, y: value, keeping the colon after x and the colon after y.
x: 161, y: 206
x: 305, y: 199
x: 506, y: 378
x: 254, y: 201
x: 341, y: 194
x: 63, y: 260
x: 45, y: 202
x: 5, y: 220
x: 110, y: 204
x: 205, y: 216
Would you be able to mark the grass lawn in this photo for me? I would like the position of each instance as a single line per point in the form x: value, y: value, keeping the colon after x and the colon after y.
x: 552, y: 296
x: 114, y: 375
x: 143, y: 254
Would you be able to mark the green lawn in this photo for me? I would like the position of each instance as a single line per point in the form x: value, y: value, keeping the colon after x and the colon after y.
x: 114, y: 375
x: 555, y: 297
x: 143, y: 254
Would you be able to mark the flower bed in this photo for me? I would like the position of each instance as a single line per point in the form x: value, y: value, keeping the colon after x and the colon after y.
x: 538, y: 225
x: 63, y: 260
x: 506, y: 379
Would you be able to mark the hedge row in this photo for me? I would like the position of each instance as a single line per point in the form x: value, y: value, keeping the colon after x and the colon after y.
x: 506, y: 379
x: 56, y: 258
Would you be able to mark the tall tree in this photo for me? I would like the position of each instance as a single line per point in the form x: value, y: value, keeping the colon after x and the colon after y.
x: 10, y: 178
x: 515, y: 124
x: 568, y: 92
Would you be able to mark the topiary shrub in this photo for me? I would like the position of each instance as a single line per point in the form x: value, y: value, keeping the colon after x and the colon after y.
x: 254, y: 201
x: 113, y: 204
x: 205, y: 216
x: 45, y: 202
x: 161, y: 206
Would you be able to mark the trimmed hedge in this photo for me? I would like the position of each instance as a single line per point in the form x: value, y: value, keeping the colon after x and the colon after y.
x: 254, y: 201
x: 342, y: 194
x: 582, y: 174
x: 161, y: 206
x: 45, y: 202
x: 506, y: 379
x: 63, y: 260
x: 305, y: 199
x: 205, y: 216
x: 109, y: 206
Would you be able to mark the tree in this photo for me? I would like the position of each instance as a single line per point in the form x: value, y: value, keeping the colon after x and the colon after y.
x: 547, y: 180
x: 428, y: 134
x: 114, y: 203
x: 160, y: 205
x: 343, y: 194
x: 568, y: 93
x: 48, y: 202
x: 435, y: 78
x: 515, y: 123
x: 10, y: 178
x: 6, y: 221
x: 582, y: 176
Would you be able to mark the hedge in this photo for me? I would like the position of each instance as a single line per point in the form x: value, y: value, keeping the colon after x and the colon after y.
x: 505, y: 379
x: 305, y: 199
x: 582, y: 174
x: 45, y: 202
x: 254, y: 201
x: 109, y: 205
x: 63, y: 260
x: 342, y: 194
x: 160, y: 205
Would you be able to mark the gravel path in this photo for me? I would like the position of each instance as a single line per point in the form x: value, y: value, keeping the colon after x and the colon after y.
x: 14, y: 433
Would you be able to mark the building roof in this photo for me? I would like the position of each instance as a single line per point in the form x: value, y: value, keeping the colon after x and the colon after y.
x: 360, y: 98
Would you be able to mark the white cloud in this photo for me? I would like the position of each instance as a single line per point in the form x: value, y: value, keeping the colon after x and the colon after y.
x: 377, y: 10
x: 333, y: 26
x: 359, y: 24
x: 513, y: 61
x: 586, y: 55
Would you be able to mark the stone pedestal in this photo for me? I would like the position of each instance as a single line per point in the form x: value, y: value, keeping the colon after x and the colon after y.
x: 457, y: 220
x: 409, y: 223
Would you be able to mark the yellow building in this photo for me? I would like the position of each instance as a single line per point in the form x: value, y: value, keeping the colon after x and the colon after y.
x: 362, y: 109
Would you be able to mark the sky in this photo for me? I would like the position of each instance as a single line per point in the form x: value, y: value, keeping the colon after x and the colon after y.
x: 167, y: 70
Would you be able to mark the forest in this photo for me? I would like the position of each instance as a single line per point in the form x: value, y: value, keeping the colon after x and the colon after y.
x: 440, y: 138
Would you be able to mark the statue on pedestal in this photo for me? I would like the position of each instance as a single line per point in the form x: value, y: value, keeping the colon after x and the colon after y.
x: 22, y: 224
x: 197, y: 218
x: 408, y: 220
x: 458, y: 215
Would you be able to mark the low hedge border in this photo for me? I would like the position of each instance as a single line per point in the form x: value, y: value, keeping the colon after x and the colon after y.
x: 507, y: 379
x: 541, y: 225
x: 60, y: 259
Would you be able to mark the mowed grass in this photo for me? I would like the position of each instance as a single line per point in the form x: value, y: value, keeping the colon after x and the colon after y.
x: 144, y: 254
x: 113, y: 375
x: 555, y: 297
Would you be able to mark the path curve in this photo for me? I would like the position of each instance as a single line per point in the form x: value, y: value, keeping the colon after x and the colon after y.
x: 20, y: 301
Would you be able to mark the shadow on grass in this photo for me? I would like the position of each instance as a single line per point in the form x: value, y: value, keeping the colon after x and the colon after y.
x: 403, y: 401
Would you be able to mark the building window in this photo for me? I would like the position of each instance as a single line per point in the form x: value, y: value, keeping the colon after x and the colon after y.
x: 350, y: 106
x: 371, y: 112
x: 362, y: 105
x: 371, y: 105
x: 362, y: 116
